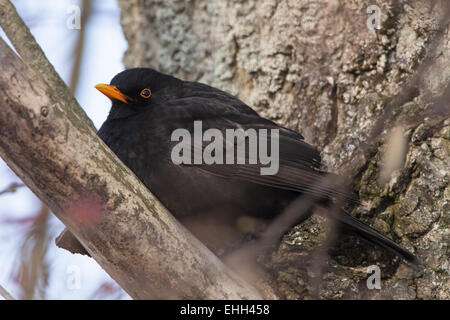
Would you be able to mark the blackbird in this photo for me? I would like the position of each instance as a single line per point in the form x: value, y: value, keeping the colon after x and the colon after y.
x: 211, y: 199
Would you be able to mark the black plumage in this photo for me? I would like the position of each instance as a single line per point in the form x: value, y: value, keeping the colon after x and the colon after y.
x: 209, y: 199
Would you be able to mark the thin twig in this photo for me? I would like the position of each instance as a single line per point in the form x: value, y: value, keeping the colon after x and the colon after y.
x: 12, y: 188
x: 78, y: 52
x: 33, y: 265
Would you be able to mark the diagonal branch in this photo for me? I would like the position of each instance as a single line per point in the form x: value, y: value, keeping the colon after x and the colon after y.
x: 58, y: 155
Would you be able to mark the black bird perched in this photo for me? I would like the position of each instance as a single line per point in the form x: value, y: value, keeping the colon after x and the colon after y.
x: 148, y: 106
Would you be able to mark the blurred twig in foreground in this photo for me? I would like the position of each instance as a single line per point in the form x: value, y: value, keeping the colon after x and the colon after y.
x: 86, y: 6
x: 12, y: 188
x: 33, y: 270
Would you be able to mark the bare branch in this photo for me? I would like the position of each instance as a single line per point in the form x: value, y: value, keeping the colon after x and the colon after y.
x: 119, y: 222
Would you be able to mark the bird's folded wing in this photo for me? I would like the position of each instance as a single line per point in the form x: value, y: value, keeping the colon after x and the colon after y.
x: 298, y: 162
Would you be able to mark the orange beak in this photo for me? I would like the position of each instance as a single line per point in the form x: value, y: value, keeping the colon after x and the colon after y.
x: 112, y: 92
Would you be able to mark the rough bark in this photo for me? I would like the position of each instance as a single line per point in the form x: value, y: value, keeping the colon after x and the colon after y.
x: 316, y: 67
x: 46, y: 141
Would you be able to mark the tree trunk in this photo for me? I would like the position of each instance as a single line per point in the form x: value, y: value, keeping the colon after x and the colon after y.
x: 317, y: 67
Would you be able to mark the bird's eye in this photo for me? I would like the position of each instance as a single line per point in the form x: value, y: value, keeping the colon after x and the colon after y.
x: 146, y: 93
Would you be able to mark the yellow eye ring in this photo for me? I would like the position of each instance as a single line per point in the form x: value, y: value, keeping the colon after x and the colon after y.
x: 146, y: 93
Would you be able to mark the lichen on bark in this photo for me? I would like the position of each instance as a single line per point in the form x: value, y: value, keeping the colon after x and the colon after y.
x: 316, y: 67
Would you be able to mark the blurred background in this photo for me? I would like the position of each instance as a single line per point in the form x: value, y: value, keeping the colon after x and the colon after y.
x: 84, y: 42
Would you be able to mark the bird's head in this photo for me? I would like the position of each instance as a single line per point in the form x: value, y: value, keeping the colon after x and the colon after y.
x: 135, y: 90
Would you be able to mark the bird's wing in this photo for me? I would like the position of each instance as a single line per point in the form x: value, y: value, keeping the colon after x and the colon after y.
x: 298, y: 162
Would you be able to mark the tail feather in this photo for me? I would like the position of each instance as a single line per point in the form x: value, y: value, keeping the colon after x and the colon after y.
x: 366, y: 232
